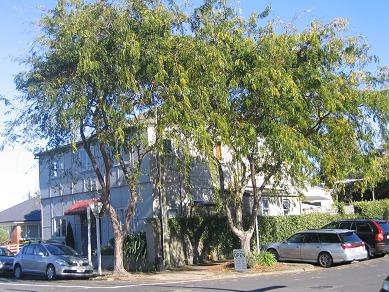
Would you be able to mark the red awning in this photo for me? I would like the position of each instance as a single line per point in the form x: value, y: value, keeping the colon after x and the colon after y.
x: 79, y: 207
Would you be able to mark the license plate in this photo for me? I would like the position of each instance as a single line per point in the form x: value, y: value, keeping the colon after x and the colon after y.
x: 80, y: 270
x: 387, y: 236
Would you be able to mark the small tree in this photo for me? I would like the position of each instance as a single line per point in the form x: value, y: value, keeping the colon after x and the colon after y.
x: 69, y: 239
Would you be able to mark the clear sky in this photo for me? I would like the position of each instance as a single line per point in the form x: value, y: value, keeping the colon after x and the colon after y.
x: 18, y: 169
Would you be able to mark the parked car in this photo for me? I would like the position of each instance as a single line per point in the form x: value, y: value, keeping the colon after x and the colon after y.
x: 6, y: 260
x: 51, y: 260
x: 375, y: 233
x: 324, y: 247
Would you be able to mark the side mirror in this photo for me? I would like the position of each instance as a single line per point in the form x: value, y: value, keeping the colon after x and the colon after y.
x: 41, y: 254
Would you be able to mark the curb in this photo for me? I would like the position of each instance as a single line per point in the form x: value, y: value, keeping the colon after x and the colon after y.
x: 202, y: 276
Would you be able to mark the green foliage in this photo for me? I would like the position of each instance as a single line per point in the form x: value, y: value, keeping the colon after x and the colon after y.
x: 4, y: 236
x: 211, y: 232
x: 69, y: 239
x: 135, y: 247
x: 214, y: 234
x: 378, y: 209
x: 261, y: 259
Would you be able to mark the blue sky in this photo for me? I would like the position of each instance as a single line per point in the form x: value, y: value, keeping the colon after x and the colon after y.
x: 18, y: 169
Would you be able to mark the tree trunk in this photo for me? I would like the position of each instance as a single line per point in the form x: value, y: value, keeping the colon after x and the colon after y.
x: 118, y: 254
x: 245, y: 239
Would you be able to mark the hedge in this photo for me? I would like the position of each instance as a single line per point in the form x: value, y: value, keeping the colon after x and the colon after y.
x: 214, y: 234
x: 378, y: 209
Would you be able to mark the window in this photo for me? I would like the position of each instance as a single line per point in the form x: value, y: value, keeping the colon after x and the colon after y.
x: 311, y: 238
x: 30, y: 232
x: 40, y: 249
x: 29, y: 249
x: 83, y: 159
x: 328, y: 238
x: 297, y: 238
x: 364, y: 227
x: 286, y: 206
x: 58, y: 166
x: 59, y: 224
x: 346, y: 225
x: 265, y: 206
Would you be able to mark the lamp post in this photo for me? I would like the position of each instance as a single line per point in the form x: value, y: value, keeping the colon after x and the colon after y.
x: 96, y: 209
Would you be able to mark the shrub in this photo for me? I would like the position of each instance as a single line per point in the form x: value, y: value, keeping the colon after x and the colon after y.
x: 107, y: 250
x: 261, y: 259
x: 69, y: 239
x: 378, y: 209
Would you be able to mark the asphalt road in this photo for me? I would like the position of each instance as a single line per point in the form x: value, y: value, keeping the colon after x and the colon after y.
x: 357, y: 277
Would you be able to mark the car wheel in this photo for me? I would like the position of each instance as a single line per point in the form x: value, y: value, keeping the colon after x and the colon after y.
x: 325, y: 260
x: 18, y: 272
x: 273, y: 252
x: 50, y: 273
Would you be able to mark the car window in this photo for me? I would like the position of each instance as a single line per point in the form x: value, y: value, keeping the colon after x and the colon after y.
x: 311, y: 238
x: 328, y: 238
x: 2, y: 252
x: 57, y: 249
x: 364, y: 227
x: 7, y: 252
x: 345, y: 225
x: 28, y: 250
x: 332, y: 225
x: 384, y: 226
x: 349, y: 237
x: 297, y: 238
x: 40, y: 249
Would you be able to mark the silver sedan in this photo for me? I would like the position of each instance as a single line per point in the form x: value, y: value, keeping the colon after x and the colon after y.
x: 325, y: 247
x: 51, y: 260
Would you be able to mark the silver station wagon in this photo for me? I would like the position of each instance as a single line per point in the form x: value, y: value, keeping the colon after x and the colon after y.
x: 51, y: 260
x: 325, y: 247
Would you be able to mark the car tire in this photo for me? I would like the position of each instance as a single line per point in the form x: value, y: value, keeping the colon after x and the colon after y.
x: 273, y: 252
x: 369, y: 253
x: 50, y: 273
x: 18, y: 273
x: 325, y: 260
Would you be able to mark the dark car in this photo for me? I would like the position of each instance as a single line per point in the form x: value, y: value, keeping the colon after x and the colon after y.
x: 324, y: 247
x: 6, y: 260
x: 375, y: 233
x: 52, y: 261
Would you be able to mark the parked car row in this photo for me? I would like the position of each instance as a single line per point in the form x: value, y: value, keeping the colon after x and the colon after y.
x: 337, y: 242
x: 47, y: 259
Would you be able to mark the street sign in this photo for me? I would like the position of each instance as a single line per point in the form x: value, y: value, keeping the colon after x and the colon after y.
x: 240, y: 262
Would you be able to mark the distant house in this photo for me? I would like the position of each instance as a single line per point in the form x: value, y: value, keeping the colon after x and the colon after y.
x: 22, y: 221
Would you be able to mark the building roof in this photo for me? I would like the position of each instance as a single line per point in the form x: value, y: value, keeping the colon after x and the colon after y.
x: 26, y: 211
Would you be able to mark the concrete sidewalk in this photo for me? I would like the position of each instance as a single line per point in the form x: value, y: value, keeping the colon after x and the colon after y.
x: 202, y: 272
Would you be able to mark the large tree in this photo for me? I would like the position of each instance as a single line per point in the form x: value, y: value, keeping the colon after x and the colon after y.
x: 94, y: 78
x: 291, y: 107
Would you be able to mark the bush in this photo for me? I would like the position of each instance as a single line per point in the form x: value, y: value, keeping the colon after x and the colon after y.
x: 4, y: 236
x: 261, y: 259
x: 378, y: 209
x: 107, y: 250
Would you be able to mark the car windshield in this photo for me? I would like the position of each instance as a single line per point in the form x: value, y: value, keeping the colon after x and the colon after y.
x: 349, y: 237
x: 55, y: 249
x: 384, y: 226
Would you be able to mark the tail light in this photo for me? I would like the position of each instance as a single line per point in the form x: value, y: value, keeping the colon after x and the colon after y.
x: 352, y: 245
x: 380, y: 235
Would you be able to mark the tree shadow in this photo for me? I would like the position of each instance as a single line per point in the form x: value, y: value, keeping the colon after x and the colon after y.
x: 264, y: 289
